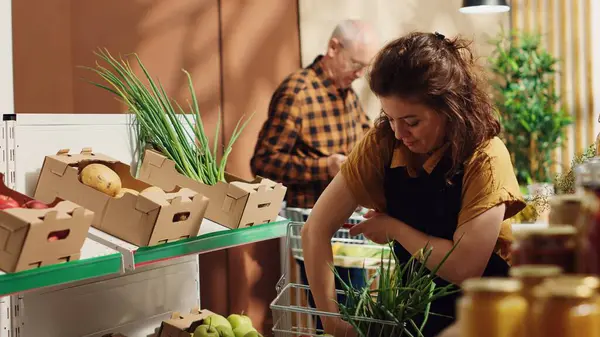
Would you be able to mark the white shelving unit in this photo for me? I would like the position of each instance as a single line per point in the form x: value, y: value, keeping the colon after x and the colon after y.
x: 146, y: 286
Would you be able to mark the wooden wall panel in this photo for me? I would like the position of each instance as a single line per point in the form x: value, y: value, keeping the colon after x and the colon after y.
x: 566, y: 27
x: 260, y: 47
x: 42, y: 64
x: 168, y: 36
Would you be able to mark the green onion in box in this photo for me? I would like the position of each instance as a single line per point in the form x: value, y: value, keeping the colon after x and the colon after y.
x: 160, y: 126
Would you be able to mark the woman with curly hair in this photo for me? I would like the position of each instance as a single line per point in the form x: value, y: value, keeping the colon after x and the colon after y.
x: 433, y: 171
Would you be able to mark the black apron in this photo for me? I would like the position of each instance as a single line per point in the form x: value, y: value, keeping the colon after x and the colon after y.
x: 430, y: 205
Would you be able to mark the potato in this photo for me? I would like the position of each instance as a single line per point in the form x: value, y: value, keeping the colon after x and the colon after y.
x: 126, y: 190
x: 101, y: 178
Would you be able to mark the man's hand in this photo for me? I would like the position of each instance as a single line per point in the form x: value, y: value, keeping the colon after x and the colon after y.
x: 334, y: 163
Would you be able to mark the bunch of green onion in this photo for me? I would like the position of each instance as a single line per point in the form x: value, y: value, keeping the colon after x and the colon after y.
x: 403, y: 292
x: 159, y: 120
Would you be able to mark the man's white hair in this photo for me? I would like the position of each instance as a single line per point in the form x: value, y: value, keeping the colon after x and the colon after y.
x: 352, y: 31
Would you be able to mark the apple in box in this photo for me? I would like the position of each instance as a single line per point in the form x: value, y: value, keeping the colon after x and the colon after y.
x: 7, y: 202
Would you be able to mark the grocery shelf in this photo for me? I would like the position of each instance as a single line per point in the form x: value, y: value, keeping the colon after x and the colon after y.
x: 112, y: 256
x: 96, y: 260
x: 210, y: 240
x: 212, y: 237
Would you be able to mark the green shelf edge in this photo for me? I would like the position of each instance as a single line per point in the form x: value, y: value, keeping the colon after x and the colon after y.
x: 57, y: 274
x: 54, y: 275
x: 212, y: 241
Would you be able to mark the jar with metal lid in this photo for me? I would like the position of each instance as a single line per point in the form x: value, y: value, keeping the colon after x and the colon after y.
x: 588, y: 259
x: 492, y: 307
x: 564, y: 209
x: 566, y: 310
x: 531, y: 276
x: 547, y: 246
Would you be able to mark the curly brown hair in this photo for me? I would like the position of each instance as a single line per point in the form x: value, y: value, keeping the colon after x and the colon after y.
x: 441, y: 73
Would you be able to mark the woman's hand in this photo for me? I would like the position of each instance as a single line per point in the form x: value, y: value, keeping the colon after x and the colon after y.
x: 377, y: 227
x: 337, y: 327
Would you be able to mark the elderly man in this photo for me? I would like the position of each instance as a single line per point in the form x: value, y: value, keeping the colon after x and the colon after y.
x: 315, y: 118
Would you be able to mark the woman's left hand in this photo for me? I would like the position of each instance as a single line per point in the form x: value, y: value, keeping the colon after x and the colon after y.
x: 377, y: 227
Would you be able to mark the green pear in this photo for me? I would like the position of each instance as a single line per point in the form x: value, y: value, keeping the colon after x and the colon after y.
x: 206, y: 331
x: 253, y: 334
x: 225, y: 331
x: 216, y: 320
x: 242, y: 330
x: 238, y: 320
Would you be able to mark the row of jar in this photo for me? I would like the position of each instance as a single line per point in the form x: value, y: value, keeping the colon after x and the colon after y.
x: 535, y: 301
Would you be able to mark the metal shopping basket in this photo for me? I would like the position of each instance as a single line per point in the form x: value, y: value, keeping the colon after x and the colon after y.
x: 348, y: 252
x: 293, y: 317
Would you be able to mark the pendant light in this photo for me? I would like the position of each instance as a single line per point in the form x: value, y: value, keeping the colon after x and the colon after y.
x: 484, y: 6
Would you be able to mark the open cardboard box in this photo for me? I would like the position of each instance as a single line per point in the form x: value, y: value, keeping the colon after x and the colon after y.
x: 182, y: 325
x: 235, y: 204
x: 31, y: 238
x: 145, y: 219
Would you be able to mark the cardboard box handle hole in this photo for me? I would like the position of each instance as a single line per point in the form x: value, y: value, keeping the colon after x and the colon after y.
x: 58, y: 235
x: 181, y: 216
x: 267, y: 204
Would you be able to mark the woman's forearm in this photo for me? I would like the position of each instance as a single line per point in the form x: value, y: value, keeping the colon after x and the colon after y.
x: 318, y: 259
x: 414, y: 240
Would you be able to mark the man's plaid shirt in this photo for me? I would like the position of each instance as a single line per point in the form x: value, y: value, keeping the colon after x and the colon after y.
x: 309, y: 119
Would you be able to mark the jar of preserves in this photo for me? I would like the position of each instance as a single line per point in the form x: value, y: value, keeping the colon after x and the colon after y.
x: 565, y: 310
x: 588, y: 255
x: 564, y: 209
x: 546, y: 246
x: 492, y: 307
x: 532, y: 276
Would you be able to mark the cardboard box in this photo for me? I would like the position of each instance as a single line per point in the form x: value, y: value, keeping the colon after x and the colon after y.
x: 31, y: 238
x: 182, y: 325
x: 146, y: 219
x: 235, y: 204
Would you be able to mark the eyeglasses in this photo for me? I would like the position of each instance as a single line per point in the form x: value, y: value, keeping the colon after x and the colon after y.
x: 354, y: 65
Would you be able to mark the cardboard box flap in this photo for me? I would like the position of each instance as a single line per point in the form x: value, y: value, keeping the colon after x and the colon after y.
x: 64, y: 159
x: 157, y: 160
x: 182, y: 323
x: 86, y: 154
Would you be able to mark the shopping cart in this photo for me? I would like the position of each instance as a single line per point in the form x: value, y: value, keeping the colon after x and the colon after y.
x: 292, y: 314
x: 348, y: 251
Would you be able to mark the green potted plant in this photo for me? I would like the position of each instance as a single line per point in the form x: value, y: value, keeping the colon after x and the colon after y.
x: 529, y: 109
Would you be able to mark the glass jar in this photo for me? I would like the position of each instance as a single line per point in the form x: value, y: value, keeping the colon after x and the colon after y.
x: 546, y: 246
x: 532, y: 276
x: 564, y: 209
x: 492, y: 307
x: 588, y: 255
x: 565, y: 310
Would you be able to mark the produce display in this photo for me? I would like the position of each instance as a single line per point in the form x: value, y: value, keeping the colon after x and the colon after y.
x: 233, y: 326
x: 204, y: 323
x: 7, y: 202
x: 106, y: 186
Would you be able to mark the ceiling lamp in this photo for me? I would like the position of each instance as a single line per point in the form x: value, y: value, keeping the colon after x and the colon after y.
x: 484, y: 6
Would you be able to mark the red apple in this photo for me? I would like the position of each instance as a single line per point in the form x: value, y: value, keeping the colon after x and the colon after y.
x: 35, y: 204
x: 7, y: 202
